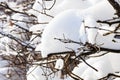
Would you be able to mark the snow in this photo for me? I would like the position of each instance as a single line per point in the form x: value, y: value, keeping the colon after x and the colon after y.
x: 100, y: 63
x: 71, y: 17
x: 37, y: 5
x: 15, y: 16
x: 83, y: 33
x: 43, y: 18
x: 73, y: 4
x: 63, y: 25
x: 9, y: 73
x: 93, y: 2
x: 4, y: 63
x: 97, y: 11
x: 59, y: 64
x: 36, y: 28
x: 91, y: 32
x: 107, y: 40
x: 114, y: 58
x: 34, y: 40
x: 105, y: 64
x: 2, y: 0
x: 117, y: 79
x: 32, y: 11
x: 88, y: 34
x: 35, y: 73
x: 5, y: 40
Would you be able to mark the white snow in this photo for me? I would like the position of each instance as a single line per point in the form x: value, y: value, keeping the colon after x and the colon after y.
x: 93, y: 2
x: 38, y: 5
x: 35, y: 73
x: 59, y: 64
x: 97, y: 11
x: 68, y: 23
x: 36, y: 28
x: 43, y: 18
x: 91, y: 32
x: 73, y: 4
x: 107, y: 41
x: 102, y: 64
x: 71, y: 17
x: 114, y: 58
x: 83, y: 33
x: 4, y: 63
x: 117, y: 79
x: 64, y: 25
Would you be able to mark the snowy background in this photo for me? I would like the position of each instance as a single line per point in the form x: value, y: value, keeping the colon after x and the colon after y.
x: 59, y: 40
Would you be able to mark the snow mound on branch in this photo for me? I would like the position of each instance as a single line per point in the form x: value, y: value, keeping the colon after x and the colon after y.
x: 97, y: 12
x: 64, y: 25
x: 67, y: 24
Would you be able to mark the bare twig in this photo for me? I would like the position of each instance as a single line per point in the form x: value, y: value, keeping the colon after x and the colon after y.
x: 5, y: 5
x: 116, y: 6
x: 108, y: 76
x: 17, y: 40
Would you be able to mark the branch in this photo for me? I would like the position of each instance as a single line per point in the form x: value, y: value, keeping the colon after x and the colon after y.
x: 44, y: 13
x: 108, y: 76
x: 109, y: 23
x: 68, y: 41
x: 52, y: 5
x: 6, y: 6
x: 17, y: 40
x: 116, y: 6
x: 29, y: 22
